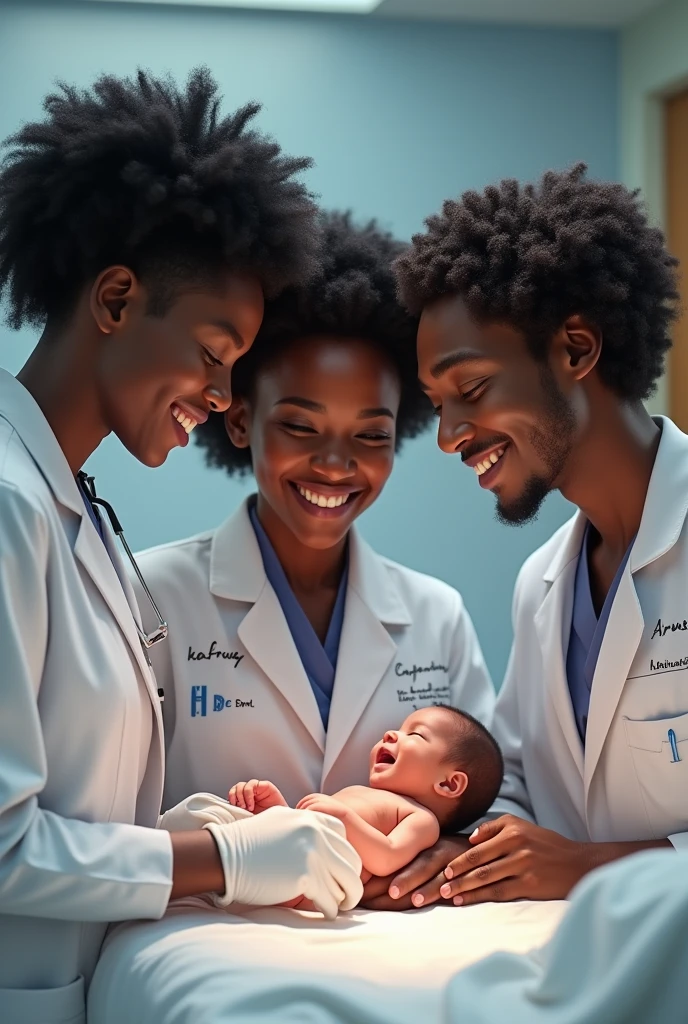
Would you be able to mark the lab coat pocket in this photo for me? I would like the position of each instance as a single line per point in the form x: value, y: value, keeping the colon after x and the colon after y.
x: 64, y: 1005
x: 659, y: 750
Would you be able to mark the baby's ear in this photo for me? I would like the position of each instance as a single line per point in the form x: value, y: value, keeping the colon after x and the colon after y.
x: 453, y: 785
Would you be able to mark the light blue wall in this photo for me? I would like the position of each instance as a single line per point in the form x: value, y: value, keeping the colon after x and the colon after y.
x: 398, y: 116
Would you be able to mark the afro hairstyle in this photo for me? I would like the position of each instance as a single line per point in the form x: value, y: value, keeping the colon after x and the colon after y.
x: 143, y: 173
x: 352, y: 296
x: 533, y: 255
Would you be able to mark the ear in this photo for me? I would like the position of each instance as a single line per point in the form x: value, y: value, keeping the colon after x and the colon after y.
x: 577, y: 346
x: 452, y: 785
x: 237, y: 423
x: 113, y: 294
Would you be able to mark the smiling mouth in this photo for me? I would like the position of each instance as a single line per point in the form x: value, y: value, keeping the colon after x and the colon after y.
x: 186, y: 422
x: 317, y: 502
x: 384, y: 757
x: 489, y: 461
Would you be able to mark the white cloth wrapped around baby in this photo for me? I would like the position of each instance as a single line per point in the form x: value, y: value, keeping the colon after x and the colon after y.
x: 277, y: 855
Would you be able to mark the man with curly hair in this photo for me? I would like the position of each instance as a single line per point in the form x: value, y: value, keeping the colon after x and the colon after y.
x: 545, y: 313
x: 294, y: 647
x: 139, y: 231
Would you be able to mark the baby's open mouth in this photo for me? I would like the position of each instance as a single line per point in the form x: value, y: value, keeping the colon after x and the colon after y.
x: 384, y: 757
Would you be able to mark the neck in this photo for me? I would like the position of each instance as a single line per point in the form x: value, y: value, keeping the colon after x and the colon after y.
x: 307, y: 569
x: 60, y: 375
x: 609, y: 475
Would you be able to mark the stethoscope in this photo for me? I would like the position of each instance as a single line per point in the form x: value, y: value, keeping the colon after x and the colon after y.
x: 148, y: 640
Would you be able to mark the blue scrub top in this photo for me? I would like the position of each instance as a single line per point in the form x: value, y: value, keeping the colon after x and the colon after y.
x: 587, y: 633
x: 319, y: 660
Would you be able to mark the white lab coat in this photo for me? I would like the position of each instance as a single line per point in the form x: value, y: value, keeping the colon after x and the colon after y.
x: 248, y: 711
x: 623, y: 785
x: 77, y: 703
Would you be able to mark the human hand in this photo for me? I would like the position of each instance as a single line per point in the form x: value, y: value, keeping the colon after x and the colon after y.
x: 512, y: 859
x: 425, y: 874
x: 325, y: 805
x: 286, y: 853
x: 256, y: 796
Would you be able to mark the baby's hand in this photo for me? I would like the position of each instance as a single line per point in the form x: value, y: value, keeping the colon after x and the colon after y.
x: 324, y: 804
x: 256, y: 796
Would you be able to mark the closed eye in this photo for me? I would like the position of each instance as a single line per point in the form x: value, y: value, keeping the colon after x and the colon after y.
x: 209, y: 358
x: 474, y: 393
x: 374, y: 437
x: 299, y: 428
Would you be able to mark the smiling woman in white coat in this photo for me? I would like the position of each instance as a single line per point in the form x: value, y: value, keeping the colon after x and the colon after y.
x: 122, y: 235
x: 537, y: 348
x: 294, y: 647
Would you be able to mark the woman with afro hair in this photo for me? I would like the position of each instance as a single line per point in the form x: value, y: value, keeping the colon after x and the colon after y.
x: 294, y: 647
x: 140, y: 230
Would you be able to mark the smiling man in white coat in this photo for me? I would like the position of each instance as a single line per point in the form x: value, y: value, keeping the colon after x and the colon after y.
x: 293, y: 646
x: 545, y: 321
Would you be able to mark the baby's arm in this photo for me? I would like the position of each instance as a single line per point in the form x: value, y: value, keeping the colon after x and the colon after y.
x: 256, y: 796
x: 381, y: 855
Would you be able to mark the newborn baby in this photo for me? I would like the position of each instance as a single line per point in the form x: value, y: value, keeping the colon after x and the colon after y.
x: 439, y: 772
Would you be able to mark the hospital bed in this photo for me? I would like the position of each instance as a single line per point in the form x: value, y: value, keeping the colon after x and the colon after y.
x: 205, y: 965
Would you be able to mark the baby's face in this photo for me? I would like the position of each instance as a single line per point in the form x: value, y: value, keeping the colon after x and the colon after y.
x: 410, y: 760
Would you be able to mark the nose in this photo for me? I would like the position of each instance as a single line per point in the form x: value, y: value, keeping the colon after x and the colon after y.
x: 334, y: 462
x: 218, y: 394
x: 453, y: 431
x: 390, y: 737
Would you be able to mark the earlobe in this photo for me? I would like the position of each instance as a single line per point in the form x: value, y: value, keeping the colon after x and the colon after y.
x: 237, y: 423
x: 582, y: 344
x: 112, y: 294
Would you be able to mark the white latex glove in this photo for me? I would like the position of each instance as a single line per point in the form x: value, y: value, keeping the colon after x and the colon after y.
x: 283, y: 853
x: 198, y: 810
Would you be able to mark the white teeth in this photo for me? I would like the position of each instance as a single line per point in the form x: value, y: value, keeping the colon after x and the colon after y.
x: 320, y: 500
x: 184, y: 420
x: 488, y: 462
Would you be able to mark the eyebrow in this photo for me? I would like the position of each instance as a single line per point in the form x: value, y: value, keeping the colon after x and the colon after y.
x: 303, y: 403
x: 307, y: 403
x: 366, y: 414
x: 452, y: 360
x: 227, y: 327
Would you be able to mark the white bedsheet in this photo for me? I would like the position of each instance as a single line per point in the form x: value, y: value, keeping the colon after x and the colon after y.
x: 204, y: 965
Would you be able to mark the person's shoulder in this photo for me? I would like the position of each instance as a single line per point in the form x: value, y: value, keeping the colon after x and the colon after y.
x: 419, y: 588
x: 178, y: 563
x: 22, y: 485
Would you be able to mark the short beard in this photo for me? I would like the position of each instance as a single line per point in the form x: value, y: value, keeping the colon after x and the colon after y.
x: 553, y: 441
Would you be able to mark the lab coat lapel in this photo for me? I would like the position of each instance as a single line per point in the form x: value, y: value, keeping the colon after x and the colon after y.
x: 91, y: 552
x: 552, y: 623
x: 663, y: 519
x: 366, y: 649
x: 621, y: 639
x: 22, y: 411
x: 237, y: 573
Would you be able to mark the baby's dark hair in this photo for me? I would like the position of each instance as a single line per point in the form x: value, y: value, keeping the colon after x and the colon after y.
x: 352, y: 296
x: 476, y: 752
x: 143, y: 173
x: 532, y: 255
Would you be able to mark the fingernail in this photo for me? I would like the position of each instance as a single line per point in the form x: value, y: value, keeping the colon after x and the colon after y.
x: 458, y: 900
x: 448, y: 873
x: 394, y: 892
x: 446, y: 890
x: 473, y: 834
x: 417, y: 900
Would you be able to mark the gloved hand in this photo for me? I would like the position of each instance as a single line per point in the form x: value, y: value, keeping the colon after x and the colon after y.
x: 283, y: 853
x: 198, y: 810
